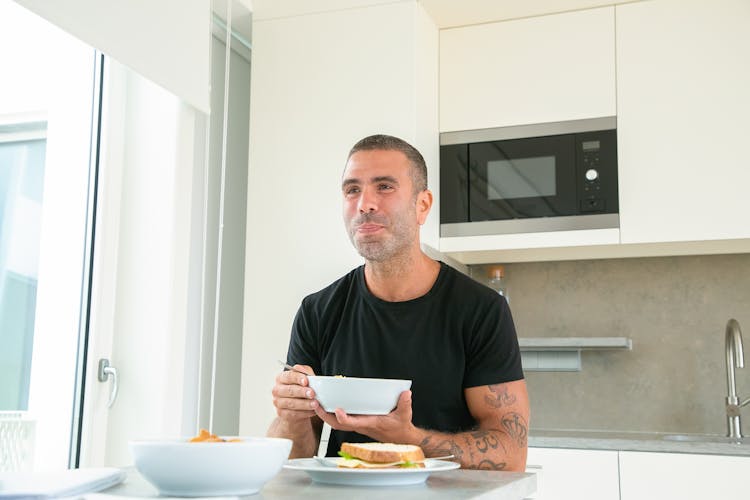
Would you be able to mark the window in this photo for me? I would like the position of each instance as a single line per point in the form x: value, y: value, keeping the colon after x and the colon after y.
x: 21, y: 181
x: 46, y: 115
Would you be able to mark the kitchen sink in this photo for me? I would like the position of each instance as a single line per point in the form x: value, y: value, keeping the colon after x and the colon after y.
x: 705, y: 438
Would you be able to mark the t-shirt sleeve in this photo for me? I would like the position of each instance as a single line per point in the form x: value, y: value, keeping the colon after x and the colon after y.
x: 493, y: 355
x: 302, y: 346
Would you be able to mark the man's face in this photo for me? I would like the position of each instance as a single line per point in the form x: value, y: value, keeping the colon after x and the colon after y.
x: 381, y: 211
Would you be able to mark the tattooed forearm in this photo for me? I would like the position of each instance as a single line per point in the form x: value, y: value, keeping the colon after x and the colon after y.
x: 484, y: 440
x: 499, y: 396
x: 479, y: 449
x: 470, y: 448
x: 515, y: 426
x: 441, y: 447
x: 500, y: 439
x: 490, y: 465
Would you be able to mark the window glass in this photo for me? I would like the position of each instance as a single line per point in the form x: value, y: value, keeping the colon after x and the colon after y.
x: 21, y: 180
x: 46, y: 115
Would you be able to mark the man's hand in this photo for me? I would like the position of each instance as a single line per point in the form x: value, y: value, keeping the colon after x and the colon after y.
x: 395, y: 427
x: 292, y: 396
x: 295, y: 406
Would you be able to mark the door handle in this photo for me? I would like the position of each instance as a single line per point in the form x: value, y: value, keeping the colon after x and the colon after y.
x: 105, y: 371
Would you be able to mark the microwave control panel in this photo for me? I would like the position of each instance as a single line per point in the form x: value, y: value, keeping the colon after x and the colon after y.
x: 596, y: 171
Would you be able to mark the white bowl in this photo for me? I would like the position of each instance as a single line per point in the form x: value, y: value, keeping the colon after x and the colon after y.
x: 177, y: 467
x: 358, y: 396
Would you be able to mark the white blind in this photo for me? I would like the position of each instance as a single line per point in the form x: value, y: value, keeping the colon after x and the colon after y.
x: 167, y: 41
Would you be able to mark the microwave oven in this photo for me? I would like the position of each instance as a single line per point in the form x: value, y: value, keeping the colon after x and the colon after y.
x: 531, y: 178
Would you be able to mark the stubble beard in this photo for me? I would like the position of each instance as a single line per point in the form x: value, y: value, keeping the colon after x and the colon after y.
x: 382, y: 248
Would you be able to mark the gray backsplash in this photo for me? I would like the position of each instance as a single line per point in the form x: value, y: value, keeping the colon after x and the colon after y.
x: 675, y: 310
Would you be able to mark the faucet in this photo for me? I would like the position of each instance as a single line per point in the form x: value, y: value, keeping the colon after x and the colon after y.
x: 735, y: 358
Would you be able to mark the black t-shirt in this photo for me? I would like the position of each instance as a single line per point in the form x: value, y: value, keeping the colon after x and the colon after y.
x: 459, y: 334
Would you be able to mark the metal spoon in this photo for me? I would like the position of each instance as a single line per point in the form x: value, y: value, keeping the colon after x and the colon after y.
x: 285, y: 365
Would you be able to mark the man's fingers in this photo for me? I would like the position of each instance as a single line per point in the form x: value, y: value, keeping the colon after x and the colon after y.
x: 328, y: 418
x: 304, y: 368
x: 295, y: 403
x: 292, y: 391
x: 404, y: 401
x: 342, y: 417
x: 289, y: 377
x: 338, y: 420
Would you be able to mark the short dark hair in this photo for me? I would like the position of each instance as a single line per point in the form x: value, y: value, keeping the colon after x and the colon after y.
x: 382, y: 142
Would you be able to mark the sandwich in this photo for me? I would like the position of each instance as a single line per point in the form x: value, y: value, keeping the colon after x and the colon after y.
x: 380, y: 456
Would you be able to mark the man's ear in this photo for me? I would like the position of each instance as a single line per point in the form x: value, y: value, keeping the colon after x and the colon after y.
x: 424, y: 204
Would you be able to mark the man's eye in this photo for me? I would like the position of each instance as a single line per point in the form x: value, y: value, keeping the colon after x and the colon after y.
x: 351, y: 190
x: 385, y: 187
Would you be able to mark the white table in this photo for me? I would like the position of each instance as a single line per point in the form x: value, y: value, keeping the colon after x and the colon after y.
x: 454, y: 484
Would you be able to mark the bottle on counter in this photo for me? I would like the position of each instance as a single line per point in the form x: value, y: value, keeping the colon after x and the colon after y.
x: 496, y: 275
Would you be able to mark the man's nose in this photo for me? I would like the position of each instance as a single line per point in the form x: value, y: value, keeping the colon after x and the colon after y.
x: 367, y: 201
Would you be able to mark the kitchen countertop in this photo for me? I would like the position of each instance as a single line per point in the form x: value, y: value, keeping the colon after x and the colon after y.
x: 638, y: 441
x: 288, y: 484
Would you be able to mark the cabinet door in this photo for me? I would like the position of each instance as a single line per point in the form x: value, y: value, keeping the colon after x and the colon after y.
x: 542, y: 69
x: 671, y: 475
x: 575, y: 474
x: 683, y: 106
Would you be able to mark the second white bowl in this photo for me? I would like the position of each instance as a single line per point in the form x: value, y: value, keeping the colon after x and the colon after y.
x: 179, y: 468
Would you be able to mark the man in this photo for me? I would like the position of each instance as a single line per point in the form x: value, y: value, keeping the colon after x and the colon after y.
x: 404, y: 315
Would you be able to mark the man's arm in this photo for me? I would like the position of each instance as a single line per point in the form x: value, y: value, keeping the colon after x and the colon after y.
x: 305, y: 435
x: 498, y: 443
x: 296, y: 419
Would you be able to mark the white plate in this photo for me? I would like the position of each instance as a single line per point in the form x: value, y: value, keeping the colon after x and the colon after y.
x: 368, y: 477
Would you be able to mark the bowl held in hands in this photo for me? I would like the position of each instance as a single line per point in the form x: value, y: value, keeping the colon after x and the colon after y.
x: 358, y: 396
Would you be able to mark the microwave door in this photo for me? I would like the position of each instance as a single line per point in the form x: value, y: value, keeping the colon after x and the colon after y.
x: 522, y: 178
x: 454, y: 183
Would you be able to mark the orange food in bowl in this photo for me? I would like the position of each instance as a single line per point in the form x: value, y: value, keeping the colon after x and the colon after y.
x: 206, y: 437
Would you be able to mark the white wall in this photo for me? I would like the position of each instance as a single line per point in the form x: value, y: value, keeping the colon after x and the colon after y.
x: 320, y: 82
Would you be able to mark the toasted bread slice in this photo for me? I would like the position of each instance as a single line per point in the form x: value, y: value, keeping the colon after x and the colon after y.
x: 384, y: 452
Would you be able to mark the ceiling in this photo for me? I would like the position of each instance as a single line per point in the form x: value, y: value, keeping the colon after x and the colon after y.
x: 445, y: 13
x: 453, y: 13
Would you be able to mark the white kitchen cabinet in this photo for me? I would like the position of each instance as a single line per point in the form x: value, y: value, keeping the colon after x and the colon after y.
x: 568, y: 474
x: 683, y: 107
x: 672, y: 475
x: 544, y: 69
x: 535, y: 70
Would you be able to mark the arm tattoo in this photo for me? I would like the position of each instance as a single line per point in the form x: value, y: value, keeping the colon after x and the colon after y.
x: 490, y: 465
x: 484, y: 440
x: 446, y: 447
x: 470, y: 448
x: 500, y: 396
x: 492, y: 448
x: 515, y: 425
